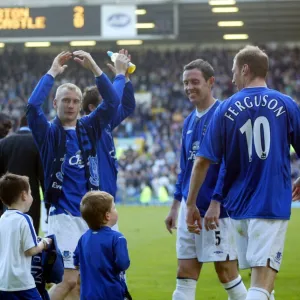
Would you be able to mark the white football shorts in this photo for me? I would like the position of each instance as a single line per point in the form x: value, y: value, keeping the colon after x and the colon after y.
x: 209, y: 246
x: 68, y: 230
x: 259, y: 240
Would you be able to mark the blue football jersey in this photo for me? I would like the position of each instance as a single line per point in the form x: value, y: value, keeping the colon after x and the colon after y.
x: 74, y: 184
x: 252, y: 131
x: 102, y: 256
x: 194, y: 130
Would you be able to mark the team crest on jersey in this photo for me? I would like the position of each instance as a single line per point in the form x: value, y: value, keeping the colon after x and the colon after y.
x: 278, y: 257
x: 66, y: 254
x: 193, y: 152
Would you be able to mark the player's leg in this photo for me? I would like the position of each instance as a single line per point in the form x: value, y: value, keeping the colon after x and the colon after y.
x: 219, y: 246
x: 264, y: 255
x: 231, y: 280
x: 68, y: 230
x: 75, y: 292
x: 187, y: 276
x: 61, y: 290
x: 188, y: 265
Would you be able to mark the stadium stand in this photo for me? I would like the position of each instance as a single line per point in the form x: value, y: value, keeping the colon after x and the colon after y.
x: 153, y: 163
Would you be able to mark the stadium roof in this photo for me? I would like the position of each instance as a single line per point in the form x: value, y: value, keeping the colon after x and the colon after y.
x: 263, y: 20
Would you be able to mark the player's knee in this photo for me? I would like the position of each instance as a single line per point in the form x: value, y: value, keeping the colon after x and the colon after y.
x: 70, y: 281
x: 263, y: 277
x: 226, y: 270
x: 188, y: 271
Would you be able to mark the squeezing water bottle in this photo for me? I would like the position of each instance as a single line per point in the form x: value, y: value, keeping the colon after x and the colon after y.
x: 113, y: 56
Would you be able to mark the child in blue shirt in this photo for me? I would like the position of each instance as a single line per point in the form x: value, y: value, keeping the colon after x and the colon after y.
x: 101, y: 253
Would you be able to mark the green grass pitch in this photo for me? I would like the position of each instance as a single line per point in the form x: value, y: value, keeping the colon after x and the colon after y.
x: 152, y: 273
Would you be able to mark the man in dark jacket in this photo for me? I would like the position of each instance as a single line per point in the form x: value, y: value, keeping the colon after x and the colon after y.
x: 19, y: 155
x: 5, y: 125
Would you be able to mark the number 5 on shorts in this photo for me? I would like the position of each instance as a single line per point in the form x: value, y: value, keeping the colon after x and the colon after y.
x: 218, y: 238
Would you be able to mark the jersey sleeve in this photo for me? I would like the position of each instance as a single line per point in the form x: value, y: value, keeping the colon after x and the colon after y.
x: 211, y: 147
x: 122, y: 260
x: 105, y: 111
x: 126, y: 106
x: 36, y: 118
x: 119, y: 84
x: 294, y: 120
x: 217, y: 194
x: 28, y: 235
x: 178, y: 185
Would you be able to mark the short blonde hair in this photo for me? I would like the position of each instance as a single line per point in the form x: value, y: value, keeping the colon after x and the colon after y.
x: 70, y: 87
x: 255, y: 58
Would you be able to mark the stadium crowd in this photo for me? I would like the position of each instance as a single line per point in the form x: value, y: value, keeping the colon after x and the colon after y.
x: 156, y: 164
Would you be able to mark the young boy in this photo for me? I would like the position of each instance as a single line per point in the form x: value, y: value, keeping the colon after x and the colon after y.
x: 101, y: 253
x: 18, y: 241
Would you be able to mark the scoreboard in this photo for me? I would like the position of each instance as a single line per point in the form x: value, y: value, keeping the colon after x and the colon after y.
x: 50, y: 21
x: 57, y: 23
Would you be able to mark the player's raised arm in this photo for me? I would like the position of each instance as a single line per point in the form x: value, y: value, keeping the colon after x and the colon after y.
x: 106, y: 110
x: 117, y: 68
x: 126, y: 95
x: 37, y: 120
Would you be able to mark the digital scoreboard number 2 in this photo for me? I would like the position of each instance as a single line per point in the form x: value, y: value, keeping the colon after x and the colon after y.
x: 78, y: 16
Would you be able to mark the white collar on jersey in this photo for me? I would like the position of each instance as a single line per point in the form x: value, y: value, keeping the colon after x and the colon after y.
x: 69, y: 127
x: 200, y: 114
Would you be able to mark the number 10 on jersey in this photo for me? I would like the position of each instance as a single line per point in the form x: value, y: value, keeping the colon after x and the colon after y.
x: 254, y: 134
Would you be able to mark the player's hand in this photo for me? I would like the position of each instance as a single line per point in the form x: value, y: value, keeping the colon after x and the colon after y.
x: 85, y: 59
x: 58, y: 65
x: 193, y: 219
x: 211, y: 218
x: 296, y: 190
x: 47, y: 242
x: 171, y: 219
x: 121, y: 63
